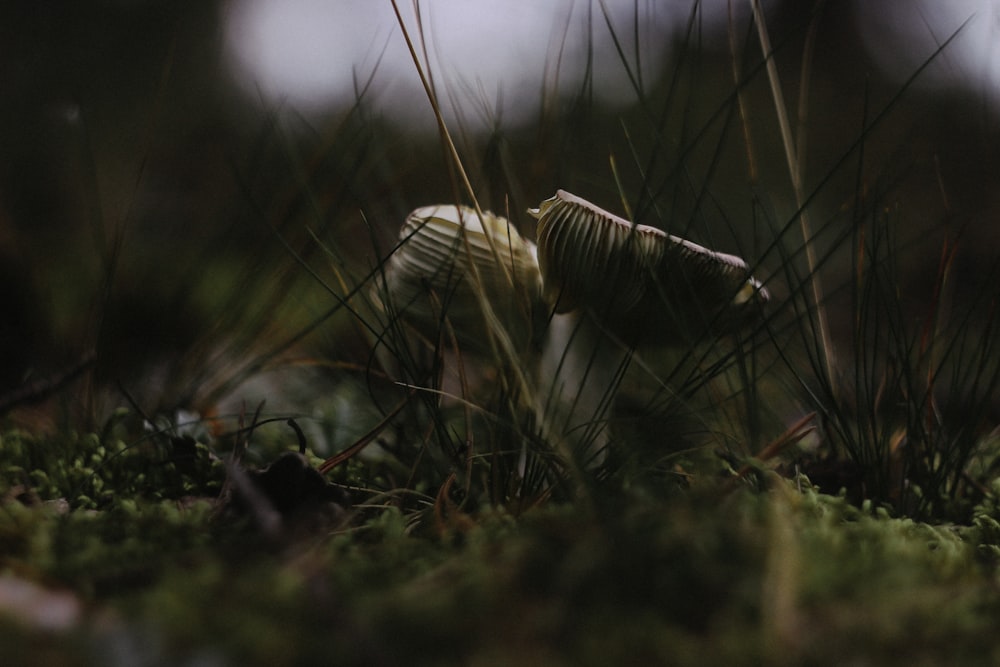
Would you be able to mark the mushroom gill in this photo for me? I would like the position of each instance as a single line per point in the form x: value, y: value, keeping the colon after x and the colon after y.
x: 643, y: 284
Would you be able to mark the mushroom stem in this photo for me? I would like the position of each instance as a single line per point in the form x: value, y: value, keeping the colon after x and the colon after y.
x: 579, y: 371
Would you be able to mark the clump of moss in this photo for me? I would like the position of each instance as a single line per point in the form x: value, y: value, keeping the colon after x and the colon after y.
x: 90, y: 471
x: 984, y: 532
x: 102, y: 554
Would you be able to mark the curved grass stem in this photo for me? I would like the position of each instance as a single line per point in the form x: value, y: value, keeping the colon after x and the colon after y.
x: 794, y: 159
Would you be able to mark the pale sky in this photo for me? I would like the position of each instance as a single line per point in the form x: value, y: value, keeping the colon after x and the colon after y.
x: 902, y: 34
x: 309, y: 54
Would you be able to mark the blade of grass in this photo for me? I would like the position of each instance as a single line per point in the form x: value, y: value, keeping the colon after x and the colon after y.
x: 793, y: 159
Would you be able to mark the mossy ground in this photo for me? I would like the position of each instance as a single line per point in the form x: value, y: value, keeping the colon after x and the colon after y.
x: 153, y: 571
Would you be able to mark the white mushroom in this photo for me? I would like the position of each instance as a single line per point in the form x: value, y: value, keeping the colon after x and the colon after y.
x: 476, y: 271
x: 606, y: 284
x: 613, y: 285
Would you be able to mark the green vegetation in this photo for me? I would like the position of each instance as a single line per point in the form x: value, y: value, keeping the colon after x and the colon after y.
x: 703, y: 575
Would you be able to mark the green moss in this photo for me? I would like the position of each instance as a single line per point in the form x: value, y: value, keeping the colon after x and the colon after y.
x: 90, y: 472
x: 651, y: 575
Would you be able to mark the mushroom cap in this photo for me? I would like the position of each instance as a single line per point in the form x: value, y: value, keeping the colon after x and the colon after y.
x: 641, y: 283
x: 445, y: 266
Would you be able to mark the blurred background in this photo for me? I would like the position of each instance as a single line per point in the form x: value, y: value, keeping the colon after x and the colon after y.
x: 188, y: 188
